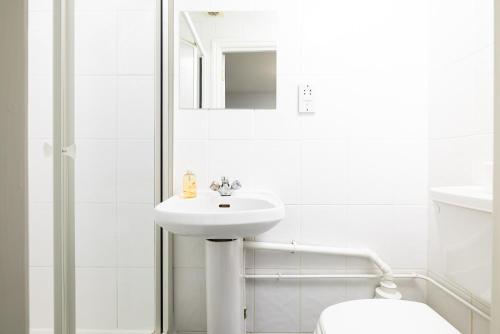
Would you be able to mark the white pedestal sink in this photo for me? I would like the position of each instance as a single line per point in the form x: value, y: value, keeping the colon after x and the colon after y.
x: 223, y: 221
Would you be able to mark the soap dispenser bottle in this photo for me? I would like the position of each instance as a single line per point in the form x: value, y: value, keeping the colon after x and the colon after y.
x: 189, y: 185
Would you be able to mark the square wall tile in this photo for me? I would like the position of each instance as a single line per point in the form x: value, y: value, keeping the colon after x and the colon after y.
x: 230, y: 124
x: 234, y: 5
x: 95, y: 171
x: 136, y: 42
x: 451, y: 163
x: 136, y: 300
x: 189, y: 252
x: 324, y: 225
x: 96, y: 298
x: 136, y: 107
x: 95, y: 42
x: 287, y: 88
x: 40, y: 43
x: 194, y: 5
x: 136, y: 5
x: 361, y: 288
x: 95, y: 107
x: 289, y: 28
x: 95, y: 5
x: 324, y: 172
x: 233, y: 159
x: 397, y: 234
x: 41, y: 297
x: 281, y: 124
x: 190, y: 300
x: 40, y: 106
x: 277, y: 305
x: 411, y: 234
x: 95, y: 235
x: 277, y: 168
x: 135, y: 171
x: 191, y: 155
x: 40, y: 171
x: 39, y: 5
x: 191, y: 124
x: 410, y: 178
x: 285, y: 231
x: 458, y: 34
x: 371, y: 166
x: 135, y: 235
x: 394, y: 108
x: 265, y: 259
x: 41, y: 239
x: 365, y: 42
x: 464, y: 91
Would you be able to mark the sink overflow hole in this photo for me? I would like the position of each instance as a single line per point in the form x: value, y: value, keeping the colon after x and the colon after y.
x: 224, y: 205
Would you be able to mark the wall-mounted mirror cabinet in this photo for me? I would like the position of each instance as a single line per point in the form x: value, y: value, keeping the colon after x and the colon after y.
x: 227, y: 60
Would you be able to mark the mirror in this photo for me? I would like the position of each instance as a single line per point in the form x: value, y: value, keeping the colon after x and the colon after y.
x: 227, y: 60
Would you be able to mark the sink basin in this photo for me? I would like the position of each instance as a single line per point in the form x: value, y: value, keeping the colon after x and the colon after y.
x: 244, y: 214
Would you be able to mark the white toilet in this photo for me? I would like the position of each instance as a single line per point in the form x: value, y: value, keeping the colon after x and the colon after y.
x: 373, y: 316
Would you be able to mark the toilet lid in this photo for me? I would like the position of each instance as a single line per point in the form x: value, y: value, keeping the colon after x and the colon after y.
x: 382, y: 316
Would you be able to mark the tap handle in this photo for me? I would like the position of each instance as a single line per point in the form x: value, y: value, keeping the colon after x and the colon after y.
x: 214, y: 186
x: 236, y: 185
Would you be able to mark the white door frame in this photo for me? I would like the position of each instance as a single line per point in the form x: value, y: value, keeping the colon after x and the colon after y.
x: 164, y: 73
x: 63, y: 138
x: 219, y: 49
x: 63, y: 169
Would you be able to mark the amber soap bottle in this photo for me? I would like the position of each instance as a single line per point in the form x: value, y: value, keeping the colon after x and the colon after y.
x: 189, y: 185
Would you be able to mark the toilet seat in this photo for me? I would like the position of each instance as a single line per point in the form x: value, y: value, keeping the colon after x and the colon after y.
x: 385, y: 316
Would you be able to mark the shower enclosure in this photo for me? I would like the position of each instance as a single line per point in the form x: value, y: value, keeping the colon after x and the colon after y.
x: 93, y: 160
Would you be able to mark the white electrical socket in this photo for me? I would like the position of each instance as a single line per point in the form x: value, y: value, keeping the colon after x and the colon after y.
x: 306, y: 100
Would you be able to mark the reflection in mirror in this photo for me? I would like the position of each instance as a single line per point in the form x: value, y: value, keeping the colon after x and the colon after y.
x: 227, y: 60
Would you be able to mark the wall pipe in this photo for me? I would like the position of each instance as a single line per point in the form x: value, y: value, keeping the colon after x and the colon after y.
x: 294, y: 247
x: 354, y: 276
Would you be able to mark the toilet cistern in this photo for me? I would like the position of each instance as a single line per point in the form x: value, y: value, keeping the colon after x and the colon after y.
x: 224, y: 188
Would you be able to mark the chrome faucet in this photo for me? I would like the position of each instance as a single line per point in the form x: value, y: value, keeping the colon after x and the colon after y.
x: 224, y: 188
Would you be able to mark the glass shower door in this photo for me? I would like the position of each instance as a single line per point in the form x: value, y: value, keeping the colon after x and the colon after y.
x: 91, y: 204
x: 40, y: 168
x: 114, y: 165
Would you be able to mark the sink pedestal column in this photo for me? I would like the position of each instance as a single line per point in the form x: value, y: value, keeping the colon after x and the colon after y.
x: 225, y: 286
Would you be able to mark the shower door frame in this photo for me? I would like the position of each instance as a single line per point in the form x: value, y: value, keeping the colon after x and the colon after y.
x: 63, y: 167
x: 64, y: 171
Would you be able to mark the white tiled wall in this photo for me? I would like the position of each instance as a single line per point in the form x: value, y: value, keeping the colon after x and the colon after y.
x: 114, y: 125
x: 352, y: 174
x: 461, y: 139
